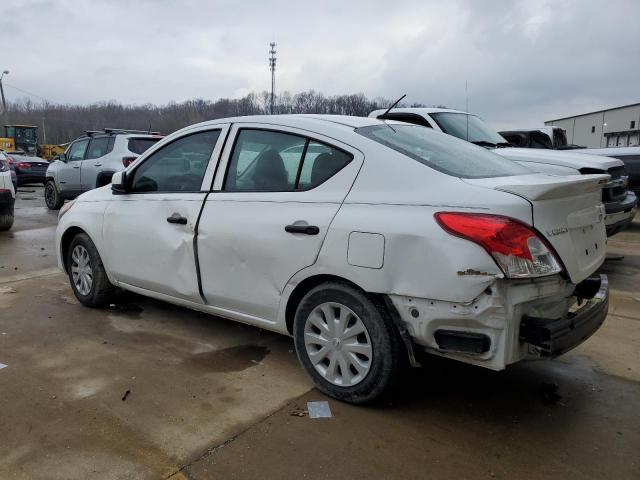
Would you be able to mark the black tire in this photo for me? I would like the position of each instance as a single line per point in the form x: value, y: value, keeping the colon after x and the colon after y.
x: 6, y: 219
x: 386, y: 358
x: 52, y: 196
x: 101, y: 292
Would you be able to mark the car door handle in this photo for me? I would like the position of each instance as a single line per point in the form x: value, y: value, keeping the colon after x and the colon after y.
x: 76, y: 166
x: 306, y: 229
x: 177, y: 218
x: 97, y: 164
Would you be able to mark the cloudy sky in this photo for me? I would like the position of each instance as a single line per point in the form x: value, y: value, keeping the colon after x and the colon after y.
x: 525, y: 61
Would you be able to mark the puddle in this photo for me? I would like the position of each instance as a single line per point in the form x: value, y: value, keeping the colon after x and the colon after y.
x: 128, y: 310
x: 233, y: 359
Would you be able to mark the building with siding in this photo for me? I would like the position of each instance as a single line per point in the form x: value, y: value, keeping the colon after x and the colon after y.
x: 614, y: 127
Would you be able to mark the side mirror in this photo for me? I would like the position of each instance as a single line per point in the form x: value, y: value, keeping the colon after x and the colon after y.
x: 119, y: 183
x: 63, y: 157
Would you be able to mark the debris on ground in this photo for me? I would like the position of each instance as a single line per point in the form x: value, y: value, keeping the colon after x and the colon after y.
x: 299, y: 412
x: 7, y: 290
x: 319, y: 409
x: 549, y: 392
x: 126, y: 394
x: 2, y: 365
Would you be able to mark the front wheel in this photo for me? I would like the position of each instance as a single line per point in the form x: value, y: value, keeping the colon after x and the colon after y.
x: 87, y: 275
x: 52, y: 196
x: 346, y: 343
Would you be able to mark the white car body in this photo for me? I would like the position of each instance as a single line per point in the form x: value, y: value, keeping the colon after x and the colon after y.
x: 376, y: 231
x: 620, y: 211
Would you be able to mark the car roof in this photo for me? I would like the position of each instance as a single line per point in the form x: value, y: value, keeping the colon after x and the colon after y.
x: 316, y: 122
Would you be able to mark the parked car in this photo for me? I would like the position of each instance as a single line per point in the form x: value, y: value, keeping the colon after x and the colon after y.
x: 542, y: 137
x: 620, y: 204
x: 91, y: 160
x: 630, y: 156
x: 364, y: 240
x: 28, y: 169
x: 7, y: 195
x: 12, y: 170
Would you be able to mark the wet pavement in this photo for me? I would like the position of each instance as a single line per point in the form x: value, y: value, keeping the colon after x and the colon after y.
x: 149, y: 390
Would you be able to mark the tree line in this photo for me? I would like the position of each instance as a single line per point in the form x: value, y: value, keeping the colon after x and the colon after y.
x: 62, y: 123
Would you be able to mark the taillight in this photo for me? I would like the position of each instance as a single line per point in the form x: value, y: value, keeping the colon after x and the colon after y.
x: 11, y: 161
x: 516, y: 248
x: 23, y: 165
x: 126, y: 161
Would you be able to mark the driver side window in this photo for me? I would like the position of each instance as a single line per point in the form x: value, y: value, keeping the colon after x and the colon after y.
x: 177, y: 167
x: 76, y: 151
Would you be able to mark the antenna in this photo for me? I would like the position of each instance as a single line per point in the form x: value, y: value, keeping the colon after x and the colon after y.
x: 389, y: 109
x: 466, y: 108
x: 272, y: 67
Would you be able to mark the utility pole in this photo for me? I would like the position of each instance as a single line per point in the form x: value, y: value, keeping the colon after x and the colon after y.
x: 272, y: 66
x: 5, y: 112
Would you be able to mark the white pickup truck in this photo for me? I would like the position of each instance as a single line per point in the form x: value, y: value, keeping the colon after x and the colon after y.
x: 620, y: 203
x: 7, y: 195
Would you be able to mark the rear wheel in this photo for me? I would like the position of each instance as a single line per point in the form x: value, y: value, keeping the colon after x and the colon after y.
x: 6, y: 219
x: 87, y: 275
x: 346, y: 343
x: 52, y: 196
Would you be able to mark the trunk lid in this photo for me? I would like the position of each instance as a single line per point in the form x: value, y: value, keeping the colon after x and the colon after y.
x: 567, y: 212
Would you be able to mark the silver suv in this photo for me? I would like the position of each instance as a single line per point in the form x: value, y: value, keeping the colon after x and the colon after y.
x: 90, y: 161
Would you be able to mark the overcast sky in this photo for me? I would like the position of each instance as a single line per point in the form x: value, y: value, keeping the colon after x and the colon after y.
x: 525, y: 61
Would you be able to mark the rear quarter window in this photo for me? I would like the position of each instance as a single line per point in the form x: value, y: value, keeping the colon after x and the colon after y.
x: 442, y: 152
x: 141, y: 145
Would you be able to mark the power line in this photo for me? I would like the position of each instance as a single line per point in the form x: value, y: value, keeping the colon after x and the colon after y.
x: 30, y: 93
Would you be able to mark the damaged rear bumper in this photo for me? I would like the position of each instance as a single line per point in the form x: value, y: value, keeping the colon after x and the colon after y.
x: 509, y: 321
x: 553, y: 338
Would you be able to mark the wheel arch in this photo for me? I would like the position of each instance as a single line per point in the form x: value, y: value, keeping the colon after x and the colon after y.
x: 65, y: 242
x: 305, y: 286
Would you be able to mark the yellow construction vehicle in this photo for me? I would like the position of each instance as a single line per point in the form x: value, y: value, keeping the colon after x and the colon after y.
x: 25, y: 138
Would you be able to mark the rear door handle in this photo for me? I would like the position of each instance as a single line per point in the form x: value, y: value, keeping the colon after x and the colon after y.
x: 306, y: 229
x: 97, y: 164
x: 177, y: 218
x: 77, y: 166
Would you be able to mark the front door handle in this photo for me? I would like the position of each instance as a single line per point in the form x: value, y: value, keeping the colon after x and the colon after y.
x: 177, y: 218
x: 76, y: 166
x: 97, y: 164
x: 306, y: 229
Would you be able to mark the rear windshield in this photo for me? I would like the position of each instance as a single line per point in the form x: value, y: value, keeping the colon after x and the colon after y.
x: 442, y: 152
x: 141, y: 145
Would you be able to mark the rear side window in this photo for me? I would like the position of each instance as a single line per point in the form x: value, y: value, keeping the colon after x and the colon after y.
x: 98, y: 147
x: 269, y: 161
x: 441, y: 152
x: 141, y: 145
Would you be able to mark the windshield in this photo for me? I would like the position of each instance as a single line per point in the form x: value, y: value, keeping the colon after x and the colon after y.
x: 478, y: 132
x: 442, y: 152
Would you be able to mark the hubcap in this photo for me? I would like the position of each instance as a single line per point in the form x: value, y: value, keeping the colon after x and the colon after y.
x: 81, y: 271
x: 338, y: 344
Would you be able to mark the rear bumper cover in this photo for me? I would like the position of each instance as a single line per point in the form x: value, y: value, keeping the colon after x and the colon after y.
x: 553, y: 338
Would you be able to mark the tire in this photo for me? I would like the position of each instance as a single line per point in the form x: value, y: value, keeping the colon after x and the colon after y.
x: 52, y: 196
x: 372, y: 359
x: 87, y: 275
x: 6, y: 220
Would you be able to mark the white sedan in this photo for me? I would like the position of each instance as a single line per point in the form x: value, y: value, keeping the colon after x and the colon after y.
x: 365, y: 240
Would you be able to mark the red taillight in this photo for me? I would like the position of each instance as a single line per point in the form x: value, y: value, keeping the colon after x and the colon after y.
x: 517, y: 248
x: 126, y: 161
x: 11, y: 162
x: 23, y: 165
